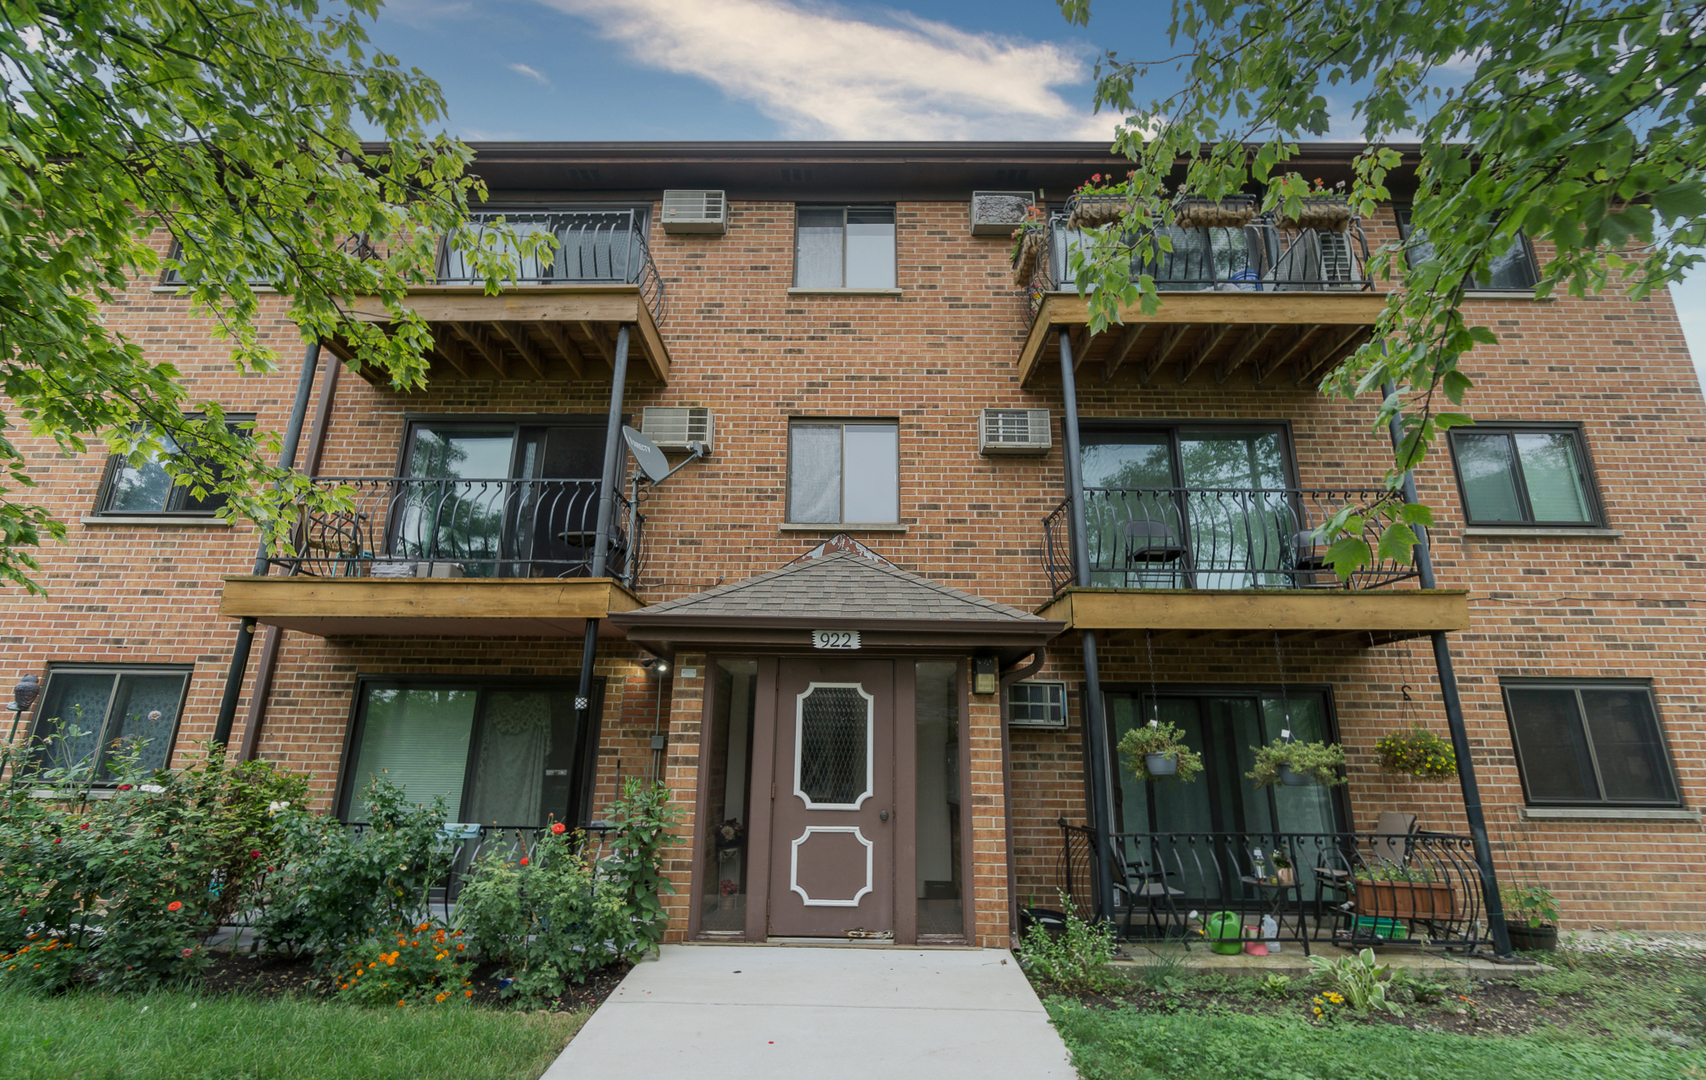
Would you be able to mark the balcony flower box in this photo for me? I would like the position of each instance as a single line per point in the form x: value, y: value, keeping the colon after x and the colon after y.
x: 1232, y: 212
x: 1323, y: 213
x: 1405, y: 899
x: 1093, y: 209
x: 1027, y: 248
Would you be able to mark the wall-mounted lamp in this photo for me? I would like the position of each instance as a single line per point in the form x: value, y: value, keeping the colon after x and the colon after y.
x: 656, y: 666
x: 986, y: 675
x: 24, y: 694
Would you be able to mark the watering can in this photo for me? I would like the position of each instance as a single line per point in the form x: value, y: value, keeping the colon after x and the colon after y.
x: 1225, y: 932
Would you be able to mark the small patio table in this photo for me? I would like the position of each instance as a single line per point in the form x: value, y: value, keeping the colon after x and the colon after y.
x: 1274, y: 896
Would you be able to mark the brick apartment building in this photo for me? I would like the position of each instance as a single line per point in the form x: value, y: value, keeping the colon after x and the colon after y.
x: 852, y: 637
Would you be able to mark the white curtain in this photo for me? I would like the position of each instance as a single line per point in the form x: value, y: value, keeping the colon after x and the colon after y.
x: 509, y: 777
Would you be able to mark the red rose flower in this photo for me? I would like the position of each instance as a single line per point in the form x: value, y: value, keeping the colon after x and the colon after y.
x: 175, y: 905
x: 556, y: 828
x: 83, y: 827
x: 254, y: 854
x: 56, y: 839
x: 124, y: 787
x: 524, y: 860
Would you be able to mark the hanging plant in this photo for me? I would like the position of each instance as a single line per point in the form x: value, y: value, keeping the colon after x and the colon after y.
x: 1294, y: 763
x: 1419, y: 753
x: 1155, y: 751
x: 1028, y: 241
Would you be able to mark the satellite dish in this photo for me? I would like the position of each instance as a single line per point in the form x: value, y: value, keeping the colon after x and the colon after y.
x: 651, y: 459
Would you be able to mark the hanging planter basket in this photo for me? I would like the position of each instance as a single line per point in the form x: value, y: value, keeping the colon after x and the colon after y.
x: 1162, y: 764
x: 1094, y: 210
x: 1418, y: 753
x: 1295, y: 779
x: 1323, y: 213
x: 1232, y: 212
x: 1025, y: 253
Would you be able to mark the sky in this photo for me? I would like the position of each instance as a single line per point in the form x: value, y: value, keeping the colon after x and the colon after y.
x: 792, y: 69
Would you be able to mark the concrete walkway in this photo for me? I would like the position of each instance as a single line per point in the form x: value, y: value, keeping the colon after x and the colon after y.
x: 756, y: 1012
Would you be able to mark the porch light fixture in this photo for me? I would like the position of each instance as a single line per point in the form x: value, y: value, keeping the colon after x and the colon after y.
x: 24, y: 694
x: 656, y: 666
x: 985, y: 677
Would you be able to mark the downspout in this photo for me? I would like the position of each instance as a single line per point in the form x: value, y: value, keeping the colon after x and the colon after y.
x: 1037, y: 660
x: 614, y: 457
x: 246, y: 631
x: 258, y: 697
x: 1095, y: 728
x: 1454, y: 717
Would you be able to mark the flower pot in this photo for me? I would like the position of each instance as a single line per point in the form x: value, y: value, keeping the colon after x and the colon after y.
x: 1294, y: 779
x: 1231, y: 213
x: 1285, y: 875
x: 1025, y: 259
x: 1329, y: 213
x: 1405, y: 899
x: 1528, y: 937
x: 1090, y: 211
x: 1161, y: 764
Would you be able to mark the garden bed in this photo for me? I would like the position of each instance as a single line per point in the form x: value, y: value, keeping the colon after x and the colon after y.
x: 272, y: 977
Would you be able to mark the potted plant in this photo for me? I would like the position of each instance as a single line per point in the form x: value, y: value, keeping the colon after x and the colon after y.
x: 1533, y: 917
x: 1419, y: 753
x: 1297, y: 763
x: 1028, y: 241
x: 1101, y: 200
x: 1155, y: 750
x: 1196, y: 212
x: 1283, y: 872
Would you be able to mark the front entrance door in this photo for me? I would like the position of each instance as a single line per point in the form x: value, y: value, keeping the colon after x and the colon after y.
x: 832, y: 845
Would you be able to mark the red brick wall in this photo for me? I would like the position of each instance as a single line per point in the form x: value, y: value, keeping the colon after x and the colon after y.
x: 931, y: 358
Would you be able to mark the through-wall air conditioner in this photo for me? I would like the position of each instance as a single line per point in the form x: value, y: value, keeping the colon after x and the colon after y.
x: 1014, y: 431
x: 998, y: 213
x: 677, y: 427
x: 702, y: 212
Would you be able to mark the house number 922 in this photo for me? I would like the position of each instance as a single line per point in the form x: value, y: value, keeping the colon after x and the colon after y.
x: 835, y: 639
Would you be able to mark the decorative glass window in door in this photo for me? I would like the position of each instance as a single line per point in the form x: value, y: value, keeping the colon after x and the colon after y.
x: 832, y: 746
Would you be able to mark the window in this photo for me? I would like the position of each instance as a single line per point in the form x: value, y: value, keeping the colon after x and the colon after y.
x: 844, y: 472
x: 146, y: 489
x: 844, y: 247
x: 1515, y: 269
x: 1593, y: 742
x: 509, y: 753
x: 90, y: 714
x: 1036, y: 705
x: 1524, y: 474
x: 171, y: 276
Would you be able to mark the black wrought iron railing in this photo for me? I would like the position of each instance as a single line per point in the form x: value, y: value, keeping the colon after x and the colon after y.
x: 1346, y: 888
x: 591, y: 247
x: 1214, y: 538
x: 409, y: 526
x: 1265, y: 254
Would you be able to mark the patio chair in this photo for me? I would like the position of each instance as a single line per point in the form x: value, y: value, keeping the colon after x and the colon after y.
x: 1309, y: 569
x: 1151, y: 546
x: 1139, y: 881
x: 1391, y: 846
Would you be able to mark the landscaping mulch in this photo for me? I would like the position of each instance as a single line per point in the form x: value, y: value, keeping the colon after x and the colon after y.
x: 272, y: 976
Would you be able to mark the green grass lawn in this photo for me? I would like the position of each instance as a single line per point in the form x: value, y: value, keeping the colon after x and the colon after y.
x: 1128, y: 1044
x: 186, y: 1036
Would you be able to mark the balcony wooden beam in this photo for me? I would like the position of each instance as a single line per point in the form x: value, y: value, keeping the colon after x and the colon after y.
x: 516, y: 333
x: 1364, y: 616
x: 1246, y: 347
x: 1333, y: 349
x: 1122, y: 349
x: 487, y: 348
x: 606, y: 348
x: 565, y: 346
x: 473, y: 607
x: 450, y: 347
x: 1210, y: 341
x: 1163, y: 352
x: 1284, y: 352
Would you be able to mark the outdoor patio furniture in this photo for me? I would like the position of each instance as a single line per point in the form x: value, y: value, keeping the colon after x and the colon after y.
x: 1152, y: 545
x: 1137, y: 880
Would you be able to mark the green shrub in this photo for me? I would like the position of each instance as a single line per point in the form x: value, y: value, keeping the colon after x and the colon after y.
x: 1361, y: 979
x: 122, y: 890
x: 547, y: 915
x: 1274, y: 986
x: 1079, y: 959
x: 425, y: 964
x: 337, y: 887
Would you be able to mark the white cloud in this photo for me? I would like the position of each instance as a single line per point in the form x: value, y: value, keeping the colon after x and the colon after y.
x: 823, y: 73
x: 523, y: 69
x: 1689, y: 295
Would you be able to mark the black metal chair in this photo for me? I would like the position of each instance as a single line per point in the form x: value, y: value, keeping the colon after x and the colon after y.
x: 1151, y: 545
x: 1139, y: 882
x: 1309, y: 569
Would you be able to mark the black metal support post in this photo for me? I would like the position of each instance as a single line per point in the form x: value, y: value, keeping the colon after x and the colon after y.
x: 615, y: 454
x: 1459, y: 731
x: 1095, y: 724
x: 246, y: 632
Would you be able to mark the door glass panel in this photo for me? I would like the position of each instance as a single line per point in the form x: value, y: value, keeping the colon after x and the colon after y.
x: 1309, y: 808
x: 940, y: 854
x: 1241, y: 522
x: 1549, y: 736
x: 833, y: 753
x: 728, y: 776
x: 455, y: 521
x: 417, y: 738
x: 1132, y: 520
x: 1557, y: 484
x: 1489, y: 477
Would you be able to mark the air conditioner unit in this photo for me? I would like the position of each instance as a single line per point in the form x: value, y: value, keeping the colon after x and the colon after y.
x: 695, y: 212
x: 998, y: 213
x: 1338, y: 260
x: 675, y: 428
x: 1014, y: 431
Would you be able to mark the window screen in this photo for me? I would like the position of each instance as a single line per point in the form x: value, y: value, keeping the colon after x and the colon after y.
x: 1535, y: 476
x: 849, y: 247
x: 843, y: 472
x: 91, y: 716
x: 1593, y: 742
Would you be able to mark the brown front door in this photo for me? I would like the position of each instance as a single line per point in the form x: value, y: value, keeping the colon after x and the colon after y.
x: 832, y: 847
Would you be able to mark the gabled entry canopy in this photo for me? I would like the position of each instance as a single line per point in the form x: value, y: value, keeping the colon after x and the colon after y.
x: 841, y: 585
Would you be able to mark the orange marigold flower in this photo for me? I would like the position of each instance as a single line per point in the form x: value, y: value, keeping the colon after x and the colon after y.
x: 175, y: 905
x: 467, y: 993
x: 440, y: 997
x: 421, y: 927
x: 460, y: 947
x: 399, y: 1004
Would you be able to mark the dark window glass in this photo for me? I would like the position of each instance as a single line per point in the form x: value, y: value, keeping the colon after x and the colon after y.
x: 849, y: 247
x: 1533, y: 476
x: 512, y: 754
x: 1036, y: 704
x: 1515, y: 269
x: 726, y: 764
x: 145, y: 488
x: 88, y: 716
x: 1588, y: 743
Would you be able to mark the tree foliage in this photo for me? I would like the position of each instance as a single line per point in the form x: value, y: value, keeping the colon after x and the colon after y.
x: 1579, y: 124
x: 231, y: 129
